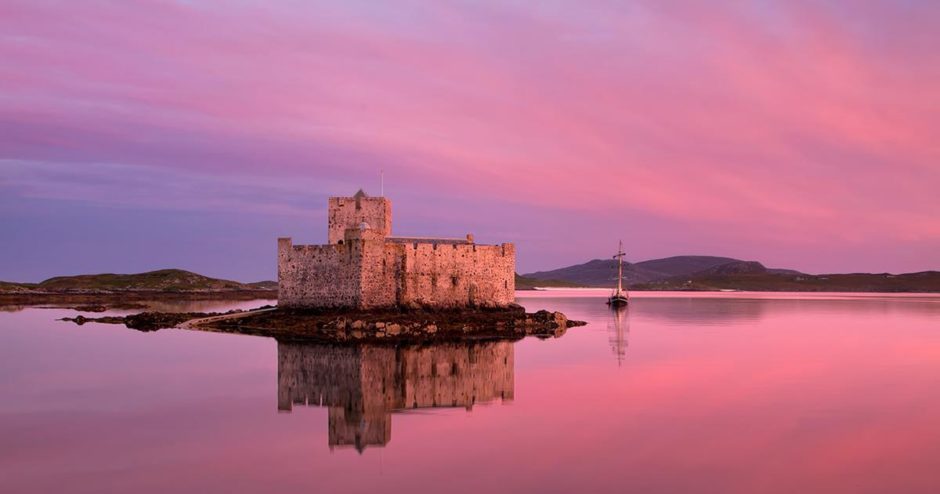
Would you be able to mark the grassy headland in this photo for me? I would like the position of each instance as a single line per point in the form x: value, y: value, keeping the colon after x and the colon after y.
x: 161, y: 284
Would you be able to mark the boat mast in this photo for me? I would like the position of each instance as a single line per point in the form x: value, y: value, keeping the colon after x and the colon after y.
x: 619, y: 257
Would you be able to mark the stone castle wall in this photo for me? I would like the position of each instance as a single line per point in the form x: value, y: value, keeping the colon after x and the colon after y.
x: 380, y: 284
x: 455, y: 275
x: 327, y: 274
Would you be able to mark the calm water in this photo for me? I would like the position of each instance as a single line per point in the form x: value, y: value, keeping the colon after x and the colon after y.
x: 720, y: 393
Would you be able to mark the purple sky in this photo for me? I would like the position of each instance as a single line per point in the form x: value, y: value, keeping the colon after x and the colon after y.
x: 137, y: 135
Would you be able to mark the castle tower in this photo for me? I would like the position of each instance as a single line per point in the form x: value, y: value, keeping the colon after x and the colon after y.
x: 352, y: 212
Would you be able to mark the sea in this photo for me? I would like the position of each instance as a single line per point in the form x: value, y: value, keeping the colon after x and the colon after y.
x: 679, y: 393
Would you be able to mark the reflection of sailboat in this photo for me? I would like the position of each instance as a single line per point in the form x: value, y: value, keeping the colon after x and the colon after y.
x: 619, y: 298
x: 363, y: 385
x: 619, y: 332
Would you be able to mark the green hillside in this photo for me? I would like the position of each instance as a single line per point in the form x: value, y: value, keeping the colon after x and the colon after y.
x: 706, y: 273
x: 164, y: 280
x: 927, y: 281
x: 524, y: 283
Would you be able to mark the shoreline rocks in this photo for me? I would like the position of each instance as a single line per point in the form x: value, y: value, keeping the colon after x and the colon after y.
x: 360, y: 326
x: 390, y: 326
x: 127, y: 298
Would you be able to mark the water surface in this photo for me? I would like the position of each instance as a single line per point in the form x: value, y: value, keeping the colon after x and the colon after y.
x: 681, y: 393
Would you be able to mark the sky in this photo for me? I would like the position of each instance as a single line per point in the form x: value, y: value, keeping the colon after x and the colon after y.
x: 138, y: 135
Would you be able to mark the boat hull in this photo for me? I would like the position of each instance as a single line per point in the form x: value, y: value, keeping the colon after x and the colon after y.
x: 617, y: 301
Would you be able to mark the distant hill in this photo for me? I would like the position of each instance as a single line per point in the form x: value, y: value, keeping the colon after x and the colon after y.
x: 725, y: 273
x: 681, y: 265
x: 597, y: 272
x: 523, y: 283
x: 8, y: 287
x: 164, y: 280
x: 730, y: 269
x: 603, y: 272
x: 767, y: 280
x: 264, y: 285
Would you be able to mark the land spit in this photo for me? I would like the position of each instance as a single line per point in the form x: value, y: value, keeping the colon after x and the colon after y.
x: 126, y: 299
x: 391, y: 326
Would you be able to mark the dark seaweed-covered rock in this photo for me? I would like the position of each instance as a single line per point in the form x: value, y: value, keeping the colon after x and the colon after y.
x: 144, y: 321
x: 396, y: 325
x: 358, y: 326
x: 152, y: 321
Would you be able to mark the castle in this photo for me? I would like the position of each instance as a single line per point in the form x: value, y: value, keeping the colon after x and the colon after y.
x: 364, y: 267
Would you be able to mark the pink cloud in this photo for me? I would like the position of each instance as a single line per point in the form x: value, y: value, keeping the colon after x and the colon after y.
x: 785, y: 123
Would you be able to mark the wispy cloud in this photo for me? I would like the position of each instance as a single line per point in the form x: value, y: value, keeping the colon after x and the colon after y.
x: 155, y: 188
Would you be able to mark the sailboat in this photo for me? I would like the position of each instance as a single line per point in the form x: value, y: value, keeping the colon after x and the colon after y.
x: 619, y: 298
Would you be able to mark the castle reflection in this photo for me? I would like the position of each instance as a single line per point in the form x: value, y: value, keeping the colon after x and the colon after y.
x: 363, y: 385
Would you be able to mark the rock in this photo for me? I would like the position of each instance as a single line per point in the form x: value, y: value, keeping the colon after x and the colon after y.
x: 152, y: 321
x: 561, y: 320
x: 90, y: 308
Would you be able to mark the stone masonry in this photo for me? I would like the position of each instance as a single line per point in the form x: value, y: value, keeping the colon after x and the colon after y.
x: 364, y: 267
